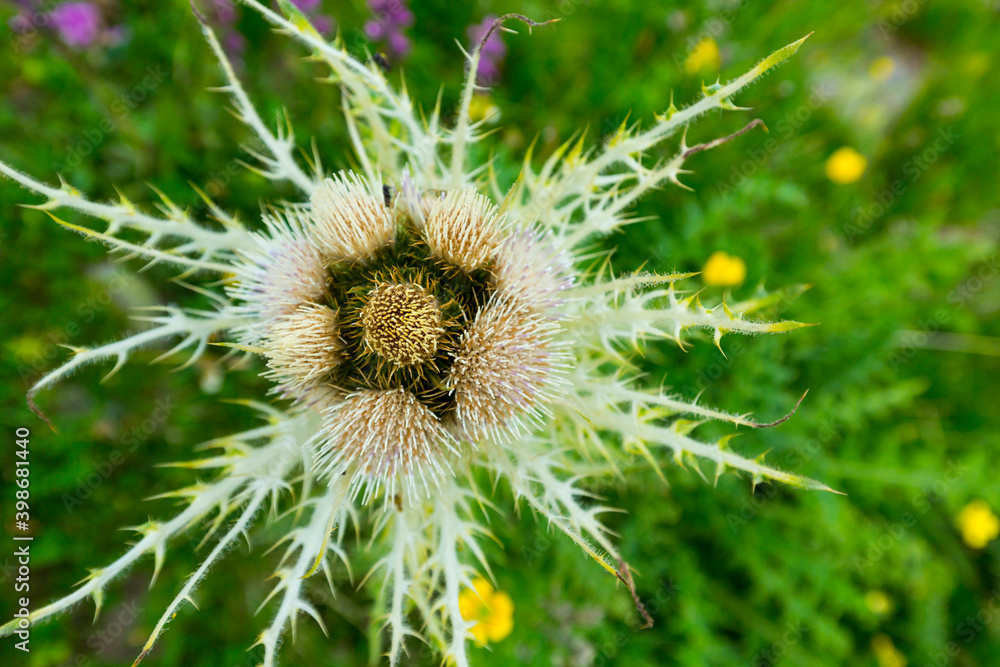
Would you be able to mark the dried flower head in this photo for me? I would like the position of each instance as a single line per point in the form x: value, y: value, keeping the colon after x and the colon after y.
x: 420, y: 326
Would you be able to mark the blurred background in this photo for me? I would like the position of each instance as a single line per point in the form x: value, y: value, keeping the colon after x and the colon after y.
x: 876, y: 187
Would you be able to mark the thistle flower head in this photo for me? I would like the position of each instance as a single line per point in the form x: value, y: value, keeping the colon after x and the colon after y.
x: 408, y: 331
x: 420, y: 324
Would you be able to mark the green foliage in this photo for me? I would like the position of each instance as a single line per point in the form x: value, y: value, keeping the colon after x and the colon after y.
x: 901, y: 413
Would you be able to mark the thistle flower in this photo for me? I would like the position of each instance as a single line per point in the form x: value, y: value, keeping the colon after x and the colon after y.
x: 421, y: 321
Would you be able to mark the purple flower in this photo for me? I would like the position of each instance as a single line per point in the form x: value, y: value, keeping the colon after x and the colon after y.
x: 322, y: 23
x: 78, y: 23
x: 493, y: 51
x: 236, y: 43
x: 389, y: 18
x: 19, y: 24
x: 374, y: 30
x: 393, y: 12
x: 225, y: 10
x: 494, y: 48
x: 487, y: 72
x: 399, y: 43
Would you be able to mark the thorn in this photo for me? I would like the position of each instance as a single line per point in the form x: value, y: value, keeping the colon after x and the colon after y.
x: 725, y: 308
x: 671, y: 110
x: 676, y: 181
x: 717, y: 339
x: 98, y: 596
x: 720, y: 469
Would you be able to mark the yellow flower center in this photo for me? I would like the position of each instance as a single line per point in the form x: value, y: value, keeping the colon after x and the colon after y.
x: 402, y: 323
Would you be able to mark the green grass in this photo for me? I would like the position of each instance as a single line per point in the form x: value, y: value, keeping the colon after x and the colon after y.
x: 774, y: 576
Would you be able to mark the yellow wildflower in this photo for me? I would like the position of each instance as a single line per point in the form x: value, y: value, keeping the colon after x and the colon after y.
x: 703, y: 57
x: 978, y: 523
x: 27, y: 349
x: 976, y: 64
x: 493, y: 611
x: 482, y: 107
x: 878, y: 602
x: 845, y: 165
x: 724, y: 270
x: 886, y: 652
x: 882, y: 68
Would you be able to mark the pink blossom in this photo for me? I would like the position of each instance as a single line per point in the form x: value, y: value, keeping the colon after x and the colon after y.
x: 78, y: 23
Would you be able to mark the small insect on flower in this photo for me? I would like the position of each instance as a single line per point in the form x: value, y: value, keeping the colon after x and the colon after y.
x: 425, y: 329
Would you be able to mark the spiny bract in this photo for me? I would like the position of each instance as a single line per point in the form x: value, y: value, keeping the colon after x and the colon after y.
x: 417, y: 329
